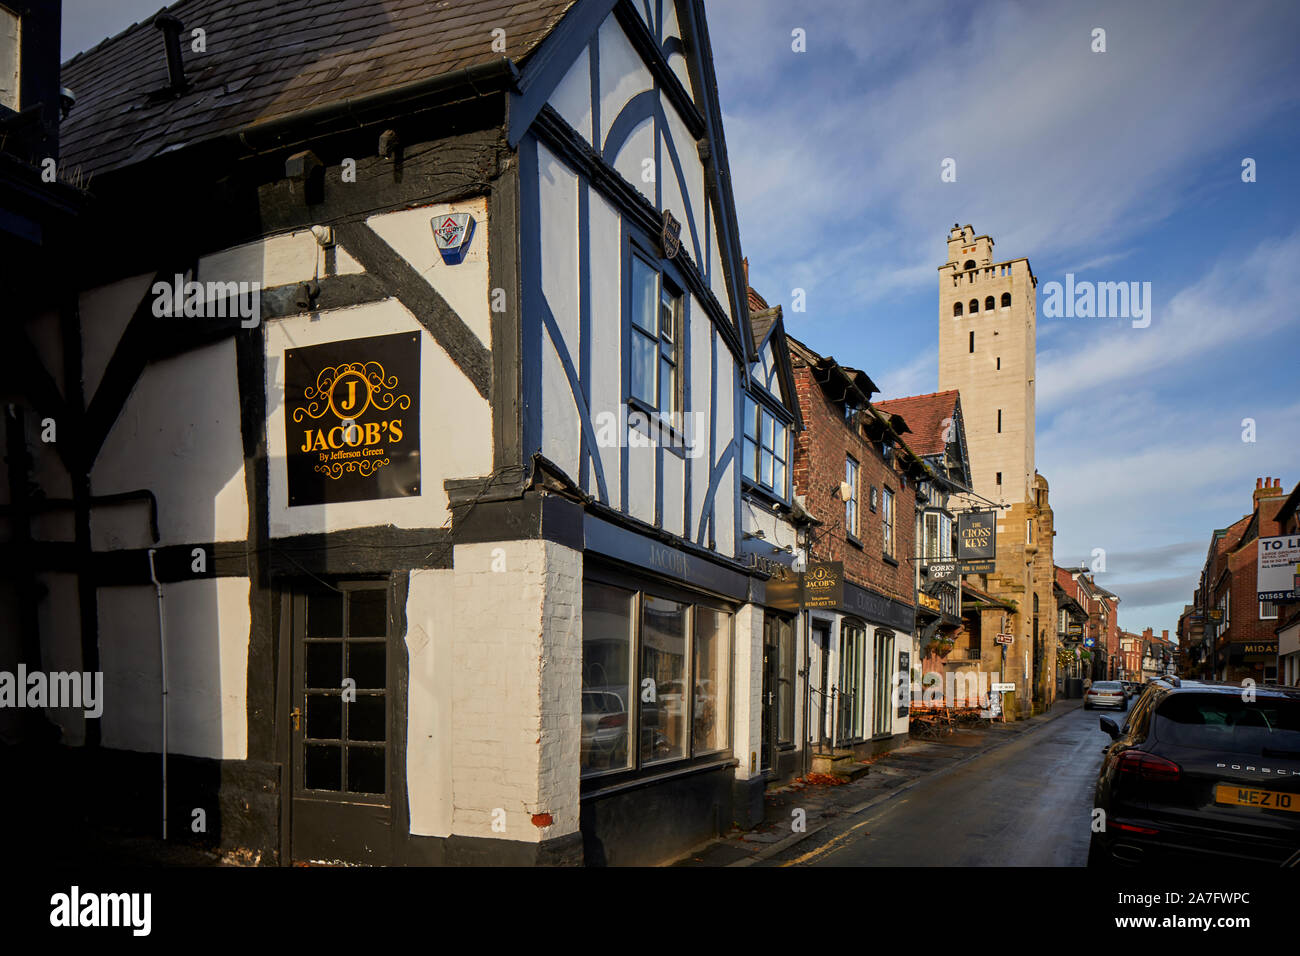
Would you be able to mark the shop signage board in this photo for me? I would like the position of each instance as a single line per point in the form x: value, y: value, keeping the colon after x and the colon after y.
x: 1277, y: 568
x: 352, y: 420
x: 823, y: 584
x: 977, y: 541
x: 942, y: 571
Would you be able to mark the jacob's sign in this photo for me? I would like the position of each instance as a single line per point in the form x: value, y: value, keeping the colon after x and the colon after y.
x: 352, y: 420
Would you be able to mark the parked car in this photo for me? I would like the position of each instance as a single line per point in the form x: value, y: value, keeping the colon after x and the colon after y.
x: 1132, y: 688
x: 1106, y: 693
x: 1201, y: 772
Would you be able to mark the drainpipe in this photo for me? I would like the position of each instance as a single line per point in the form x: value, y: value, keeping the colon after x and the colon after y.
x: 162, y: 653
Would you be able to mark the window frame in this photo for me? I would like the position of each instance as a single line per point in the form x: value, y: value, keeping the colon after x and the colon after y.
x: 636, y: 766
x: 852, y: 470
x: 761, y: 408
x: 18, y: 62
x: 888, y: 546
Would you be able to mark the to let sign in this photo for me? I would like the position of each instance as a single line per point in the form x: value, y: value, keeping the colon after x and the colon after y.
x: 1277, y: 566
x: 352, y: 420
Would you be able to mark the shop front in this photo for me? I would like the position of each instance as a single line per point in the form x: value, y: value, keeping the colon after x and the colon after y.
x: 665, y: 723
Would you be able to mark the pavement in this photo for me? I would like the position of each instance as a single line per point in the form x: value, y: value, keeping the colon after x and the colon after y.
x: 822, y: 807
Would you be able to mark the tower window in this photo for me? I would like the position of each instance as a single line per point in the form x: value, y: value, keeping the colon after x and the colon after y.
x: 972, y: 341
x: 1006, y: 300
x: 956, y: 309
x: 974, y: 306
x: 969, y: 264
x: 999, y: 421
x: 988, y: 304
x: 999, y: 478
x: 999, y: 363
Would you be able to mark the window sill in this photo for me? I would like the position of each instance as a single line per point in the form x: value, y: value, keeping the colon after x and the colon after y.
x: 853, y: 540
x: 888, y: 559
x: 676, y: 442
x: 593, y: 788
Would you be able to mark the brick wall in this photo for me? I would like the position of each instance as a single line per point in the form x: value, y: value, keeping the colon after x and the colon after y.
x: 819, y: 459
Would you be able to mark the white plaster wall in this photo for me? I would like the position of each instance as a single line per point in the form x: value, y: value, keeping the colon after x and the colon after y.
x: 463, y: 286
x: 724, y: 500
x: 674, y: 479
x: 208, y: 623
x: 606, y: 331
x: 49, y: 472
x: 630, y: 161
x: 105, y: 312
x: 671, y: 197
x: 455, y: 424
x: 58, y: 616
x: 290, y: 257
x: 623, y: 74
x: 430, y: 638
x: 701, y: 405
x: 747, y: 719
x: 692, y: 172
x: 179, y: 436
x: 641, y: 477
x: 572, y: 98
x: 516, y: 688
x: 558, y: 196
x: 717, y: 278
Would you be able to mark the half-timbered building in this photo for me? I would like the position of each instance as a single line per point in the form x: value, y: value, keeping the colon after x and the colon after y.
x: 401, y: 378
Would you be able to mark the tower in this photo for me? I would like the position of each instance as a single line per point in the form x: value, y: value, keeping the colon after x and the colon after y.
x: 987, y: 340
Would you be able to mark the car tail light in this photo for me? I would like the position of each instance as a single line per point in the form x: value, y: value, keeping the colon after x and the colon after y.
x: 613, y: 720
x: 1148, y: 766
x: 1132, y: 829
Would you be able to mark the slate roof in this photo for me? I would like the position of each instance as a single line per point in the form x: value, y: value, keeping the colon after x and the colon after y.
x: 271, y: 58
x: 925, y: 416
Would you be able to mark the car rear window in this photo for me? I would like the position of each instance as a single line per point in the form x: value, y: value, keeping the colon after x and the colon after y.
x: 1107, y: 685
x: 1268, y: 727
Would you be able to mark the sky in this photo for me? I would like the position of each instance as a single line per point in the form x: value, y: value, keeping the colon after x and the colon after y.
x: 1123, y: 165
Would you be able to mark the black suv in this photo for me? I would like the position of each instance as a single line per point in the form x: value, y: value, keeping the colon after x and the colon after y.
x: 1202, y: 771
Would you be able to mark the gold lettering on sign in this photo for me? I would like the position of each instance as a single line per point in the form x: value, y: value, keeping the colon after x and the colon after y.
x: 347, y: 392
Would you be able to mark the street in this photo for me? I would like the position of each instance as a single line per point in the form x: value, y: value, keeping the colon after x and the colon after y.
x: 1026, y: 804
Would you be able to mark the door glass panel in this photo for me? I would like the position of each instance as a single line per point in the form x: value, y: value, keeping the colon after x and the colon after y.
x: 325, y: 615
x: 367, y: 664
x: 367, y: 613
x: 325, y: 716
x: 323, y: 767
x: 366, y: 769
x: 325, y: 664
x: 367, y: 719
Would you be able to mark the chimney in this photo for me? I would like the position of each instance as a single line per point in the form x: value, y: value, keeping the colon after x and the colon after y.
x: 171, y: 28
x: 1164, y: 635
x: 1267, y: 488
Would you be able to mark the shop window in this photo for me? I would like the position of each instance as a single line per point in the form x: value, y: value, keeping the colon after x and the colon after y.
x: 785, y: 683
x: 606, y: 677
x: 767, y: 449
x: 666, y: 682
x: 656, y: 339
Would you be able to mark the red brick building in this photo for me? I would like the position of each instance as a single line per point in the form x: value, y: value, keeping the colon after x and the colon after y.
x: 854, y: 472
x: 1240, y: 630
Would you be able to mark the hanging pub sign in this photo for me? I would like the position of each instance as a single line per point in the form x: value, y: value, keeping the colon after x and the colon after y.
x: 942, y: 571
x: 352, y: 420
x: 823, y: 584
x: 977, y: 541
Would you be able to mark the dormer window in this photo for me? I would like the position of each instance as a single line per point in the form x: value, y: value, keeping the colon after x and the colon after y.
x: 10, y: 58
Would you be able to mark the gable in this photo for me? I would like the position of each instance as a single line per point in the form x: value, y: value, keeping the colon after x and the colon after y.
x: 620, y: 77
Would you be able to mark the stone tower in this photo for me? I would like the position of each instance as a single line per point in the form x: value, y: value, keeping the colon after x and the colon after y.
x: 987, y: 340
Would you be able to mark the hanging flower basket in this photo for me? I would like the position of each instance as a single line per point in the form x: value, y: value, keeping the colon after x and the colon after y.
x: 940, y: 647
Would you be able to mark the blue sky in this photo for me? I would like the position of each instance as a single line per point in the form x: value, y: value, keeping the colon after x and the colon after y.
x: 1115, y: 166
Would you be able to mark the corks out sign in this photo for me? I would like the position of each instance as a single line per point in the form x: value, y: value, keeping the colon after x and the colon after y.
x: 352, y: 420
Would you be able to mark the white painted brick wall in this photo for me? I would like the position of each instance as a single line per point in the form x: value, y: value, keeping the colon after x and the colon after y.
x: 749, y: 689
x: 516, y: 688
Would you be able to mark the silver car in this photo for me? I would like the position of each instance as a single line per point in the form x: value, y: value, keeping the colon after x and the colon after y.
x: 1106, y: 693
